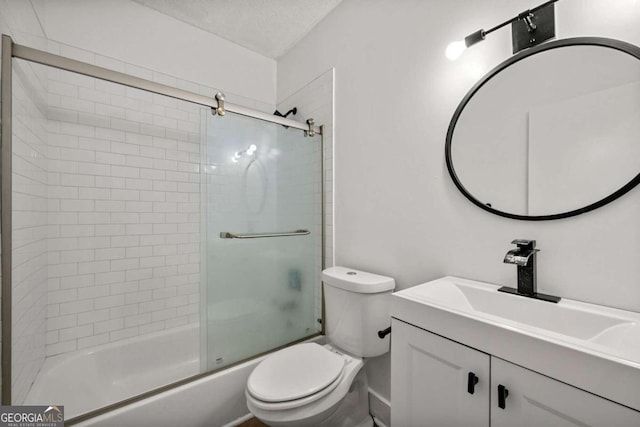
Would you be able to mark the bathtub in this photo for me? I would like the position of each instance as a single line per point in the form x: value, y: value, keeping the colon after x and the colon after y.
x: 216, y: 400
x: 88, y: 379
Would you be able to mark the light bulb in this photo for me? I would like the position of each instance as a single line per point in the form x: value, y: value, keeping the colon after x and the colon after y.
x: 455, y: 49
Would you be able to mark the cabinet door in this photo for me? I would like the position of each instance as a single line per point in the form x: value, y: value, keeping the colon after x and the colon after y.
x: 535, y: 400
x: 430, y: 378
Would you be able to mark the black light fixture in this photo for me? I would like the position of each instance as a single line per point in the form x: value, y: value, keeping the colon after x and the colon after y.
x: 528, y: 29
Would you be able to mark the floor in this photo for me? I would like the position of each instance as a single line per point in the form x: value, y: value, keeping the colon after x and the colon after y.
x: 253, y: 422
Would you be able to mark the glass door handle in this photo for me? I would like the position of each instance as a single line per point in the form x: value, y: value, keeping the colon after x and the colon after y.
x: 227, y: 235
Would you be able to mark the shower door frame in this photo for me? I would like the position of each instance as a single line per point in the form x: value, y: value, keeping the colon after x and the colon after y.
x: 12, y: 50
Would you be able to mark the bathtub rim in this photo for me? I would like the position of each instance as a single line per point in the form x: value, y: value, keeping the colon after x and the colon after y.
x: 188, y: 335
x: 56, y: 359
x: 169, y: 387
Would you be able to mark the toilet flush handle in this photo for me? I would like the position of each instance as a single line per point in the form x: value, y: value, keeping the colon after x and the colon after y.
x: 383, y: 333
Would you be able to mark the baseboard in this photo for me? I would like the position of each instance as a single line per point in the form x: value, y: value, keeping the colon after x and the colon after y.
x: 380, y: 408
x: 239, y: 421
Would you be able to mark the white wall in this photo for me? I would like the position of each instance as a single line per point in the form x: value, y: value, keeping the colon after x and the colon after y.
x: 141, y: 36
x: 397, y: 211
x: 29, y: 226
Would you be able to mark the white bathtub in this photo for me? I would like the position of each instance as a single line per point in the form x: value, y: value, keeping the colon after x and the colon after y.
x: 216, y: 400
x: 89, y: 379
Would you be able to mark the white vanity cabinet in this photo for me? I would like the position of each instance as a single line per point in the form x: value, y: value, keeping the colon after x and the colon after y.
x: 431, y: 386
x: 433, y: 380
x: 535, y: 400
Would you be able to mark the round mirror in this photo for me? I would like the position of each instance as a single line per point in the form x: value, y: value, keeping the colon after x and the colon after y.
x: 552, y: 132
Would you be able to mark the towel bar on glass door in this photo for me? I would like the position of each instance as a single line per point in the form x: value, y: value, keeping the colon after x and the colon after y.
x: 227, y: 235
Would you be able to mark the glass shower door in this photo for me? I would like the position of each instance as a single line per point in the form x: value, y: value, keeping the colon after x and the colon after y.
x: 263, y: 247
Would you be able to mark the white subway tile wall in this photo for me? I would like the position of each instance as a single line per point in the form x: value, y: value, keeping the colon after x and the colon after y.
x: 123, y: 213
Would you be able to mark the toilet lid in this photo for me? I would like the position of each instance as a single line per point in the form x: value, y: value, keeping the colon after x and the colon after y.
x: 294, y: 373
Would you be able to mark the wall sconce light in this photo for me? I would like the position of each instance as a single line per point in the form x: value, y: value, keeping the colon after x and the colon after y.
x: 528, y: 29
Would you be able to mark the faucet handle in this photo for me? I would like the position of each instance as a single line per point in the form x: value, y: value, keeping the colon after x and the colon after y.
x: 524, y: 243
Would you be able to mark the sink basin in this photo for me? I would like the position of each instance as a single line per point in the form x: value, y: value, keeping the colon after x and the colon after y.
x: 591, y: 347
x: 565, y: 318
x: 623, y: 338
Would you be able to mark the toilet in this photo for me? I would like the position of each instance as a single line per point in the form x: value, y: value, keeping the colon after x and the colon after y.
x: 324, y: 385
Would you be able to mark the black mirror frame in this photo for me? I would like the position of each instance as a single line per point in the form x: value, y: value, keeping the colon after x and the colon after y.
x: 625, y: 47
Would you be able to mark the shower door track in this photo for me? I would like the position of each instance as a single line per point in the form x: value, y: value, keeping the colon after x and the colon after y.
x: 12, y: 50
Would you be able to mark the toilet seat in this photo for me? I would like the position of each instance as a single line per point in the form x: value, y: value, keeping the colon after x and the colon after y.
x: 293, y: 404
x: 296, y: 376
x: 308, y: 411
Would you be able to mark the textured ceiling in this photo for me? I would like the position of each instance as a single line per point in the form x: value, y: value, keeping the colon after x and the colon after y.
x: 269, y: 27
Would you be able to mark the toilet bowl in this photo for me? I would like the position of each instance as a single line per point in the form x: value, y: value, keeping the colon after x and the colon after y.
x: 308, y: 385
x: 325, y: 386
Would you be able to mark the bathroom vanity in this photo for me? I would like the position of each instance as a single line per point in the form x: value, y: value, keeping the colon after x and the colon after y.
x: 464, y: 354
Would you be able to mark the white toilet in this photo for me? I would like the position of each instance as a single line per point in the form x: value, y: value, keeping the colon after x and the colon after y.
x: 313, y: 385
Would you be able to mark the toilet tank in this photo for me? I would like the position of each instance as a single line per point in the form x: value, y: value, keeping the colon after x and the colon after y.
x: 356, y: 308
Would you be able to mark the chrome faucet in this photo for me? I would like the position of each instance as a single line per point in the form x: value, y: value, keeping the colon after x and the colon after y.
x: 524, y: 256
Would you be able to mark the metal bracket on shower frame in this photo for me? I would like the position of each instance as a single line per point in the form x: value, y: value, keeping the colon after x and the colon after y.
x: 220, y: 109
x: 227, y: 235
x: 311, y: 131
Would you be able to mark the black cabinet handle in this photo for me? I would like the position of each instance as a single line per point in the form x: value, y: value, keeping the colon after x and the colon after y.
x: 472, y: 380
x: 502, y: 396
